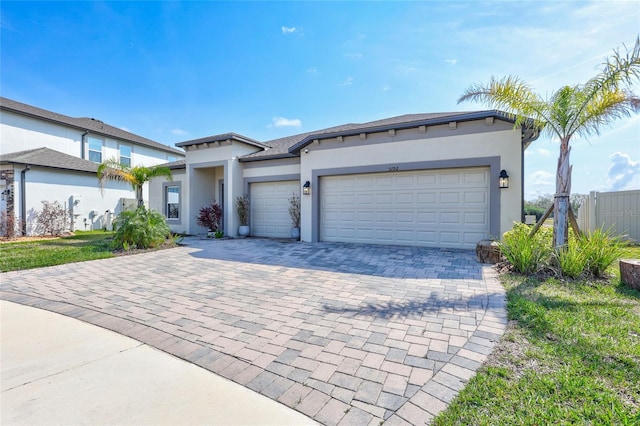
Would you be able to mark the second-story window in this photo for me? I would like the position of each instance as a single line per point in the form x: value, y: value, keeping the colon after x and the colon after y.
x: 125, y: 155
x: 95, y: 149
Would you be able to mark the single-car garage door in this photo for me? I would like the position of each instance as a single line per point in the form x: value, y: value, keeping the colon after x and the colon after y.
x: 434, y: 208
x: 270, y: 208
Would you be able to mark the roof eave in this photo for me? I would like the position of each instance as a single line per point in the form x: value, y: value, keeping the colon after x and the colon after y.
x: 267, y: 157
x: 407, y: 125
x: 84, y: 128
x: 31, y: 164
x: 222, y: 138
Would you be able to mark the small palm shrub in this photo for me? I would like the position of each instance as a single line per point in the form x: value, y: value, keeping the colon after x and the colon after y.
x: 585, y: 255
x: 527, y: 254
x: 601, y: 249
x: 140, y: 228
x: 572, y: 261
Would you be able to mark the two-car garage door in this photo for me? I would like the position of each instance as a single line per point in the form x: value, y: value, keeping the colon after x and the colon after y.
x: 437, y: 208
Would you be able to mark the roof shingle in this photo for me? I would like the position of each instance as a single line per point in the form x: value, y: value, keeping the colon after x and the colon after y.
x: 84, y: 123
x: 289, y: 145
x: 46, y: 157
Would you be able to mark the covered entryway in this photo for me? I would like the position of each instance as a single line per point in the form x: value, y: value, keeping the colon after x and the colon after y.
x: 434, y: 208
x: 270, y: 208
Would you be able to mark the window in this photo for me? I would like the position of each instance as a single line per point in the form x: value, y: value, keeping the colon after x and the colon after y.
x: 95, y: 150
x: 125, y: 155
x: 172, y: 196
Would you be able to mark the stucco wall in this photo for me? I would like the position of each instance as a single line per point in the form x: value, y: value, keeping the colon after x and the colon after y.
x: 44, y: 184
x: 206, y: 166
x: 277, y: 167
x: 438, y: 144
x: 157, y: 199
x: 21, y: 133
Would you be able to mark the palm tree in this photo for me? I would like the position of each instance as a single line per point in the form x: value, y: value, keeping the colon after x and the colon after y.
x: 572, y: 110
x: 137, y: 176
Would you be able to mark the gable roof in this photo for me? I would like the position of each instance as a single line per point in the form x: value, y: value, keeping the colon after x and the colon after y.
x: 46, y: 157
x: 84, y: 123
x: 174, y: 165
x: 222, y: 138
x: 290, y: 146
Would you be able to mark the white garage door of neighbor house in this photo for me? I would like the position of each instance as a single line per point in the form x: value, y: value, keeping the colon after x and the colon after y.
x: 270, y: 208
x: 433, y: 208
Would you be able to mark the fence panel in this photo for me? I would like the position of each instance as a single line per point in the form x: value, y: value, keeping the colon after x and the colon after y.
x: 619, y: 211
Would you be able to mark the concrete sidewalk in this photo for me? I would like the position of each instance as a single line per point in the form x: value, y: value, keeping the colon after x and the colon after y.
x: 58, y: 370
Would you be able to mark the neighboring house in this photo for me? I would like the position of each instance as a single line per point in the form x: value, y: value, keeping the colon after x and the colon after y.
x: 419, y: 179
x: 46, y: 156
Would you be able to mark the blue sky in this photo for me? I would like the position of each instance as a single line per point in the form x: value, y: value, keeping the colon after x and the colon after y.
x: 173, y: 71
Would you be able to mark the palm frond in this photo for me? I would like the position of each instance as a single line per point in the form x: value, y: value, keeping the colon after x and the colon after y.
x: 619, y: 72
x: 603, y: 109
x: 111, y: 169
x: 513, y: 96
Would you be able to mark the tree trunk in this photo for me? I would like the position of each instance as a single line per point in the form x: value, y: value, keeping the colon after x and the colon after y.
x: 561, y: 201
x: 139, y: 196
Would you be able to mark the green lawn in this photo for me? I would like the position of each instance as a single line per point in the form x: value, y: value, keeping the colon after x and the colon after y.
x: 571, y: 355
x: 35, y: 254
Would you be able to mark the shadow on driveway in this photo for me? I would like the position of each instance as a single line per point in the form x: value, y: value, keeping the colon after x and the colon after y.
x: 362, y: 259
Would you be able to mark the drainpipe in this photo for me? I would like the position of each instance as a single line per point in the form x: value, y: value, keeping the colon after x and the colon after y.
x: 82, y: 144
x: 23, y: 198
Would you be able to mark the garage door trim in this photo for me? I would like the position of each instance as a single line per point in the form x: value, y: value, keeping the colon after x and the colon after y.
x: 277, y: 178
x: 493, y: 163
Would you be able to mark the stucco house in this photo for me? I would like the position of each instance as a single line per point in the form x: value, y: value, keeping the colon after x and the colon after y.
x: 46, y: 156
x: 418, y: 179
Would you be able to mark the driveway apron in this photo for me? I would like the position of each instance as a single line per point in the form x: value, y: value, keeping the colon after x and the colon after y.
x: 346, y: 334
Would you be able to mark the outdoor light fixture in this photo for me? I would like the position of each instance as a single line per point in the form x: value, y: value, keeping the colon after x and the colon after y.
x: 503, y: 181
x: 306, y: 188
x: 6, y: 194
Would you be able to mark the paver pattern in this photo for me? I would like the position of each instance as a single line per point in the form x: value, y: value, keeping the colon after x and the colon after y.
x: 346, y: 334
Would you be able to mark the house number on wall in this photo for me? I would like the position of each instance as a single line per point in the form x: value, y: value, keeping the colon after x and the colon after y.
x: 394, y: 168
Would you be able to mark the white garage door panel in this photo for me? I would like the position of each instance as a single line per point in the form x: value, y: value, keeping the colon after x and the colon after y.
x: 440, y: 208
x: 270, y: 208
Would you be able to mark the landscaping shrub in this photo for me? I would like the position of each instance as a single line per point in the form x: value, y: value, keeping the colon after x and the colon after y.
x: 52, y: 220
x: 10, y: 227
x: 140, y: 228
x: 601, y: 249
x: 210, y: 217
x: 587, y: 255
x: 527, y: 254
x: 572, y: 261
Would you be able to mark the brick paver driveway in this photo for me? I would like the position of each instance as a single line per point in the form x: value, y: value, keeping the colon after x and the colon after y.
x: 346, y: 334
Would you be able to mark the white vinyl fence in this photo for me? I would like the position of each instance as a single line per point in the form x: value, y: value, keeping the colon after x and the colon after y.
x: 619, y: 211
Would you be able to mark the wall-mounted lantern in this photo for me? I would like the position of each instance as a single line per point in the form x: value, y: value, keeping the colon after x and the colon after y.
x: 306, y: 188
x: 503, y: 181
x: 6, y: 194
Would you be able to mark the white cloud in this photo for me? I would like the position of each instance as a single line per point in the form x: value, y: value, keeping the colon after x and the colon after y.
x: 543, y: 152
x: 125, y: 129
x: 285, y: 122
x: 288, y: 30
x: 353, y: 55
x: 540, y: 177
x: 385, y: 88
x: 623, y: 172
x: 313, y: 70
x: 347, y: 82
x: 179, y: 132
x: 451, y: 61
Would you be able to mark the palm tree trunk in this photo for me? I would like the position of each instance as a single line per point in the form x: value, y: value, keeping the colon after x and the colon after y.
x: 561, y: 201
x: 139, y: 196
